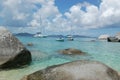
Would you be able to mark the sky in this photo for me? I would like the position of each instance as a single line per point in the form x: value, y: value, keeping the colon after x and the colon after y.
x: 81, y: 17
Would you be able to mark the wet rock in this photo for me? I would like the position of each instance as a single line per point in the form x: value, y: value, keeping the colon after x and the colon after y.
x: 71, y: 51
x: 77, y: 70
x: 29, y: 44
x: 113, y: 39
x: 12, y: 52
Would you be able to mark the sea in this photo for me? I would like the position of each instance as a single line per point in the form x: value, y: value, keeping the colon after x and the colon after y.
x: 45, y: 53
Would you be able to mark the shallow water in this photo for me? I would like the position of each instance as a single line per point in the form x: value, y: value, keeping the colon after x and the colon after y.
x: 44, y: 54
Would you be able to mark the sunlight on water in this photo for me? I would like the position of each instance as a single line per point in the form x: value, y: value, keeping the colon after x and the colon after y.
x: 44, y: 54
x: 35, y: 66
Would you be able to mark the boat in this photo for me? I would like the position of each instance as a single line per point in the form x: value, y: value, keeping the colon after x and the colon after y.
x: 70, y: 38
x: 39, y: 35
x: 60, y: 39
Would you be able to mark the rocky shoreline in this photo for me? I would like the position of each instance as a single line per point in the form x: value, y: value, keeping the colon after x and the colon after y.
x: 71, y: 51
x: 76, y: 70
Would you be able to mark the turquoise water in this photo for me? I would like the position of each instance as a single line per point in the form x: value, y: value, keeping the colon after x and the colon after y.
x: 44, y: 54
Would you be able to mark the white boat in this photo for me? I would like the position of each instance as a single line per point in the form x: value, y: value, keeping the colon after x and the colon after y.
x: 60, y: 39
x: 70, y: 38
x: 39, y: 35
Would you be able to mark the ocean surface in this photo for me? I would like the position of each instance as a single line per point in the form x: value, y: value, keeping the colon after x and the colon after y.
x: 45, y: 53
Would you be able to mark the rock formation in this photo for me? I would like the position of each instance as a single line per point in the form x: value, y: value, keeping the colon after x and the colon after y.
x: 103, y: 37
x: 12, y: 52
x: 71, y: 51
x: 113, y: 39
x: 118, y: 35
x: 77, y: 70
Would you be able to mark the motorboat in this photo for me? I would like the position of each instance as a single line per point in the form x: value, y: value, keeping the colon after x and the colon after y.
x: 39, y: 35
x: 60, y: 39
x: 70, y: 38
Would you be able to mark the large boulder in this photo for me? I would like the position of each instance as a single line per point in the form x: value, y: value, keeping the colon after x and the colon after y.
x: 113, y: 39
x: 118, y: 35
x: 103, y: 37
x: 77, y: 70
x: 12, y: 52
x: 71, y: 51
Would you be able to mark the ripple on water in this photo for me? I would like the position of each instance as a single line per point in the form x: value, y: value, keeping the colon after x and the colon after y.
x: 17, y: 74
x: 44, y: 54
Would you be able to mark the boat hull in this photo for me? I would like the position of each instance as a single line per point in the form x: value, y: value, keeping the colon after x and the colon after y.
x: 70, y: 39
x: 60, y: 40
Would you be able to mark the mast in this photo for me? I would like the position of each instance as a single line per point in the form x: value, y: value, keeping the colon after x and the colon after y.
x: 42, y: 28
x: 40, y: 24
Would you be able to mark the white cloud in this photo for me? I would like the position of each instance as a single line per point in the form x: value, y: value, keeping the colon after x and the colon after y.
x: 20, y: 16
x: 93, y: 17
x: 110, y: 12
x: 38, y: 14
x: 83, y: 19
x: 34, y: 23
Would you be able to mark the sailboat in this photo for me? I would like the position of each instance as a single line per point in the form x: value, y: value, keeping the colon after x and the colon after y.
x: 70, y: 37
x: 60, y: 39
x: 39, y: 34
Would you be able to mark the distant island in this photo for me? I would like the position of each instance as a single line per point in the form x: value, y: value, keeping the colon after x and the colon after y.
x: 53, y: 35
x: 23, y: 34
x: 82, y: 36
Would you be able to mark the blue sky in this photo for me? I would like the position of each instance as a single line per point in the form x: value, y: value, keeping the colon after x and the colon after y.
x: 83, y: 17
x: 64, y: 5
